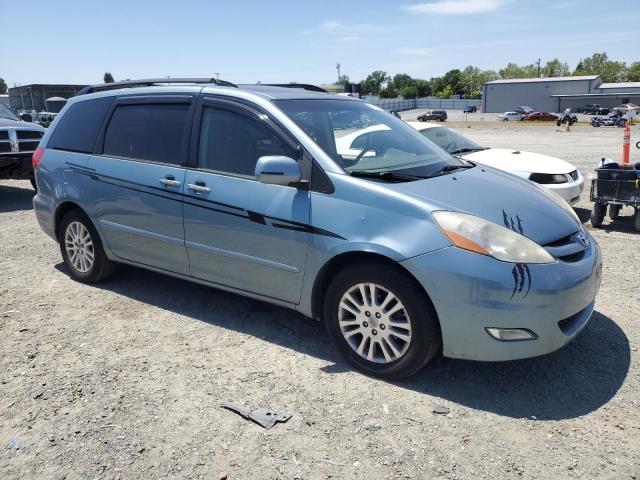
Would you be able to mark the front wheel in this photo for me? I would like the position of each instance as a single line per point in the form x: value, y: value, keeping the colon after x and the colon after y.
x: 381, y: 321
x: 505, y: 119
x: 82, y: 250
x: 597, y: 214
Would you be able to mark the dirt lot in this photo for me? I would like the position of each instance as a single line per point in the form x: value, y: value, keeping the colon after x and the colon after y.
x: 125, y: 379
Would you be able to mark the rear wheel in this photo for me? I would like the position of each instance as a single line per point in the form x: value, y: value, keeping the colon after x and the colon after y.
x: 614, y: 211
x: 597, y: 214
x: 381, y: 321
x: 82, y: 250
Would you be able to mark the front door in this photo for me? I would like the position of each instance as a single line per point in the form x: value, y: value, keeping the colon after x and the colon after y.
x: 239, y: 232
x: 139, y: 180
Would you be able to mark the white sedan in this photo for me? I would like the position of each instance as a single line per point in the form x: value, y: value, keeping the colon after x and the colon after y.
x: 506, y: 116
x: 550, y: 172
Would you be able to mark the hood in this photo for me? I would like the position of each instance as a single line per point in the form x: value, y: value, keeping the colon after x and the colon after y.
x: 517, y: 160
x: 7, y: 123
x: 499, y: 197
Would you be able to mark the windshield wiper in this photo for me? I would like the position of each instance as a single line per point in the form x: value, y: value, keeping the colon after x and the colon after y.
x: 466, y: 150
x: 386, y: 175
x: 446, y: 169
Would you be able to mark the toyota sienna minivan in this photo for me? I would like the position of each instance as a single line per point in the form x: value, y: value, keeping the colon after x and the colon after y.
x: 402, y: 250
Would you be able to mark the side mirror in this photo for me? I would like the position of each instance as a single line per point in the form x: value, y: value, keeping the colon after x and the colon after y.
x: 278, y: 170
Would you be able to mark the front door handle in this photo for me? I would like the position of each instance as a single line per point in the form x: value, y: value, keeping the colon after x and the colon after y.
x: 169, y: 181
x: 198, y: 187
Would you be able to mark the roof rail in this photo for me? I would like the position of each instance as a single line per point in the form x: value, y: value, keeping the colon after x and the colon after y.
x: 152, y: 81
x: 304, y: 86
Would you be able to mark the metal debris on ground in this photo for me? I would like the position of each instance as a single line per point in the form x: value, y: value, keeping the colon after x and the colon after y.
x: 440, y: 410
x: 263, y: 417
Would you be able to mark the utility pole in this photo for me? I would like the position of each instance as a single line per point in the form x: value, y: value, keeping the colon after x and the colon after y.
x: 338, y: 68
x: 217, y: 74
x: 538, y: 63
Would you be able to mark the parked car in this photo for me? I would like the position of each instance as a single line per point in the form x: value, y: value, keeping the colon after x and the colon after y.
x: 591, y: 109
x: 549, y: 172
x: 18, y: 141
x: 244, y: 189
x: 523, y: 110
x: 540, y: 116
x: 470, y: 109
x: 438, y: 115
x: 510, y: 116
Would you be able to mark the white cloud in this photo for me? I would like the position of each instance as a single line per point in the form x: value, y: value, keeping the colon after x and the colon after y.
x: 457, y: 7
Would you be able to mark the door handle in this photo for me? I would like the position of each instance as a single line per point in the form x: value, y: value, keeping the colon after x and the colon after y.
x: 198, y: 187
x: 169, y: 181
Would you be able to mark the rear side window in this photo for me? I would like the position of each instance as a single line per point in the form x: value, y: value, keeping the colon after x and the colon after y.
x: 151, y: 132
x: 78, y: 128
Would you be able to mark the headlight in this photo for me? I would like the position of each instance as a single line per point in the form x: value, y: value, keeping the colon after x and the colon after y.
x: 487, y: 238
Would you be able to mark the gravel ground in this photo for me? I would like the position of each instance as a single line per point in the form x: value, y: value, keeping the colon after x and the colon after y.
x: 125, y: 379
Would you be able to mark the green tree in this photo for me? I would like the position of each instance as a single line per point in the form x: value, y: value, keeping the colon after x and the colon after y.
x: 424, y: 88
x: 513, y: 70
x: 389, y: 92
x: 374, y: 82
x: 452, y: 79
x: 633, y: 72
x: 556, y: 68
x: 3, y: 86
x: 343, y: 80
x: 108, y: 78
x: 447, y: 92
x: 599, y: 64
x: 402, y: 80
x: 410, y: 91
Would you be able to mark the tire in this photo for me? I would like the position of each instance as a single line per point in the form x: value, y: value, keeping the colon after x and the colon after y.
x: 420, y: 343
x: 614, y: 211
x: 76, y: 224
x: 505, y: 119
x: 595, y: 123
x: 597, y: 214
x: 559, y: 122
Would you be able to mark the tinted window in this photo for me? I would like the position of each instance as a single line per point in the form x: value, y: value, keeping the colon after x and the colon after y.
x: 232, y: 143
x: 147, y: 132
x: 78, y: 128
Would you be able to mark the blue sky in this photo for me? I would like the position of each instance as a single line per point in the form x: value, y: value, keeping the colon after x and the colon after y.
x: 281, y: 41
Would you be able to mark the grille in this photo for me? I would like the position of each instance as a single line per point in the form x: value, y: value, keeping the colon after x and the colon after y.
x: 574, y: 175
x: 4, y: 135
x: 28, y: 146
x: 5, y: 147
x: 567, y: 249
x: 29, y: 134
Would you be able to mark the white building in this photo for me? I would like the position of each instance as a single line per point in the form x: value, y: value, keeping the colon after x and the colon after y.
x: 554, y: 94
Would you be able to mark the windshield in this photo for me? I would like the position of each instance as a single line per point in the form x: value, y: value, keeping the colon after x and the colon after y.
x: 5, y: 112
x: 364, y: 138
x: 450, y: 141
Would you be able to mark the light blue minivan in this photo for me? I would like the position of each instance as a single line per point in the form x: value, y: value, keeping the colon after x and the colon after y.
x: 401, y: 249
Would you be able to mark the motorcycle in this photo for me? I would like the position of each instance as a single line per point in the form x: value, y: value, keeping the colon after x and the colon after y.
x: 567, y: 118
x: 613, y: 119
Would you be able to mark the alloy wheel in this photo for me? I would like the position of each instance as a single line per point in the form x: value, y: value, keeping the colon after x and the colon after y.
x: 79, y: 246
x: 374, y: 323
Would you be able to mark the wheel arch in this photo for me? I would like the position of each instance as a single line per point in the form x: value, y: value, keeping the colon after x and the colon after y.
x: 343, y: 260
x: 62, y: 210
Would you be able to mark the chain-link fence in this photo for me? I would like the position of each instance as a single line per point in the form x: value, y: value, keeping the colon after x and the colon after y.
x: 398, y: 105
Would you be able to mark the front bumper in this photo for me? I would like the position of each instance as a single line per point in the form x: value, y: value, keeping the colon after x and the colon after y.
x: 570, y: 191
x: 472, y: 292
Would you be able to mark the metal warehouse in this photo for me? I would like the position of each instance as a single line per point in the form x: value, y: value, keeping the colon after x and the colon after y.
x: 40, y: 97
x: 555, y: 94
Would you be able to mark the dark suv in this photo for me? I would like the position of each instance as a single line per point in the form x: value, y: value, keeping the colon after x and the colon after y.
x: 18, y: 141
x: 438, y: 115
